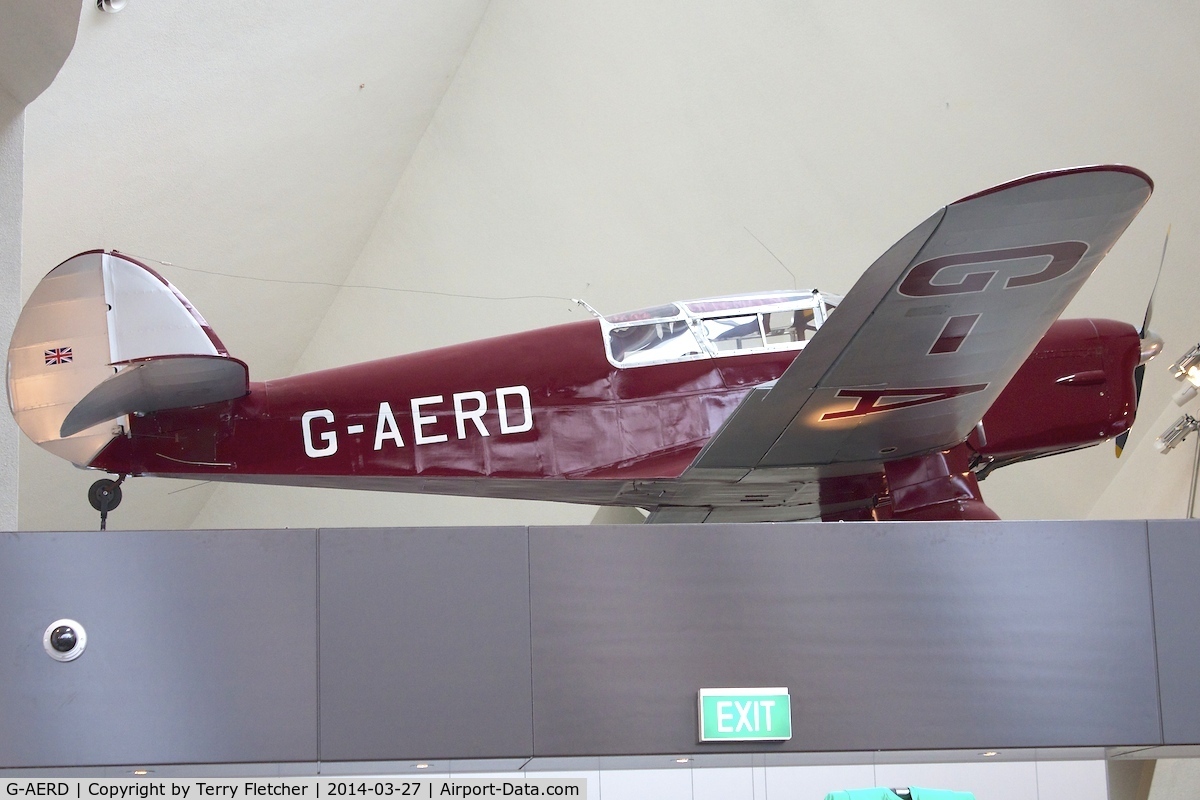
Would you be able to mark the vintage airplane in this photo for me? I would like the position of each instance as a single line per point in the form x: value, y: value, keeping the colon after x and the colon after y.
x: 943, y: 362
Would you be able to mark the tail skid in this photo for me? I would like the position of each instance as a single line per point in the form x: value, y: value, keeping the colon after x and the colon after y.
x: 102, y: 337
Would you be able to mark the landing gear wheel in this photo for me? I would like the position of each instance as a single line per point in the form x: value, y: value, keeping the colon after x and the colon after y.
x: 105, y: 495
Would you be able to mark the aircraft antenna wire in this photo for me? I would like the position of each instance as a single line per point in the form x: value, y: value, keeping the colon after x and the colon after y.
x: 332, y: 285
x: 769, y: 250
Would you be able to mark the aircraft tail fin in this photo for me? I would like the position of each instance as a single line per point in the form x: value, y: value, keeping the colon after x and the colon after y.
x: 103, y: 336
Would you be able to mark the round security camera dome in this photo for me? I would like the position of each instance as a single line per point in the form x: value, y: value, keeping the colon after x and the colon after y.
x: 64, y: 640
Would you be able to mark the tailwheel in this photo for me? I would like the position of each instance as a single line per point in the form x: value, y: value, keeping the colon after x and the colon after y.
x: 105, y: 495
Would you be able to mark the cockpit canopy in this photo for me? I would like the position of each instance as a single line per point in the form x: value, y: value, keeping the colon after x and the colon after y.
x: 716, y: 327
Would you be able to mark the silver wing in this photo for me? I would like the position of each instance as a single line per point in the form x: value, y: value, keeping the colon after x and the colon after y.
x: 933, y: 331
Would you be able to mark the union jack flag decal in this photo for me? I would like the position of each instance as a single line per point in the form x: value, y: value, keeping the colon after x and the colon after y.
x: 59, y: 355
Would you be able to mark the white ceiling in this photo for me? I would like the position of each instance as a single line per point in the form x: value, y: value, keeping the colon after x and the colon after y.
x: 34, y: 42
x: 284, y: 158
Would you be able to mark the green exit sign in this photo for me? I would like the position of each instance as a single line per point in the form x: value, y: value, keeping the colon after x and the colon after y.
x: 745, y: 715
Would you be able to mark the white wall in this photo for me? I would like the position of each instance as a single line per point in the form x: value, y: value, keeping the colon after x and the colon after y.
x: 12, y: 140
x: 1175, y: 779
x: 35, y: 39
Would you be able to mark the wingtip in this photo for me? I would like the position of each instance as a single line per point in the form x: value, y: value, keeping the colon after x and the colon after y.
x: 1054, y: 173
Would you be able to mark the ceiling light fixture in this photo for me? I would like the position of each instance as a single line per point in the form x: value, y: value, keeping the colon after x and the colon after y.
x: 1167, y: 442
x: 1175, y: 434
x: 1187, y: 369
x: 111, y: 6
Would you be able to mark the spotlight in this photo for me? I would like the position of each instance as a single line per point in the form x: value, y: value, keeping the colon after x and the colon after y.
x: 111, y: 6
x: 1187, y: 369
x: 1176, y: 433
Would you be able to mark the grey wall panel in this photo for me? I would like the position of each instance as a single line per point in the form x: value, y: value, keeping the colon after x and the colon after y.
x: 425, y: 649
x: 902, y: 636
x: 201, y: 647
x: 1175, y: 572
x: 390, y: 645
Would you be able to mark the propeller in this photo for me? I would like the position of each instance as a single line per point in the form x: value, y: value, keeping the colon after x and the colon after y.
x: 1151, y: 344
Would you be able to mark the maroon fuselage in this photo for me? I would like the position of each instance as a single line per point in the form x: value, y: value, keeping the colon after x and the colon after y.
x: 544, y: 414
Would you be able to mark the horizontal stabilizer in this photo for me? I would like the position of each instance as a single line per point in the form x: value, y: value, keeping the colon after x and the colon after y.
x: 157, y: 384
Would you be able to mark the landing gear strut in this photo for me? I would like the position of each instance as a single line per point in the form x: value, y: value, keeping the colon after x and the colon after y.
x: 105, y: 495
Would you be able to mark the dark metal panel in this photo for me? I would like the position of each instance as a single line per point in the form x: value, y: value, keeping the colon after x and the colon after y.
x: 890, y: 636
x: 1175, y: 572
x: 425, y: 644
x: 201, y: 647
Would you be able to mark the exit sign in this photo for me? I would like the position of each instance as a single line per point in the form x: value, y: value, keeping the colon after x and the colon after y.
x: 745, y: 715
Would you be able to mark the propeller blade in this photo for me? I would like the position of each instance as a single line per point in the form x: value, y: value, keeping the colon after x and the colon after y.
x: 1150, y: 304
x: 1139, y: 372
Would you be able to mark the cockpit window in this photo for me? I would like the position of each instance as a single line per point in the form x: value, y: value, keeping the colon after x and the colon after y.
x: 782, y: 327
x: 734, y: 333
x: 714, y: 328
x: 731, y: 304
x: 653, y: 343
